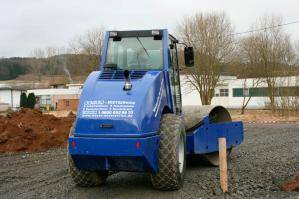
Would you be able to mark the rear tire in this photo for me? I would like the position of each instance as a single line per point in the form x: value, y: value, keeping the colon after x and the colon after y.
x: 84, y: 178
x: 172, y: 154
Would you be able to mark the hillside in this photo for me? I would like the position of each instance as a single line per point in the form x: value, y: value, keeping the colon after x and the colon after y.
x: 60, y: 65
x: 10, y: 68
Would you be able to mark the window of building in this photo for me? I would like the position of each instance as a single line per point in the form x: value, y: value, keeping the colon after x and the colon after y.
x: 237, y: 92
x: 258, y: 92
x: 45, y: 100
x: 246, y: 92
x: 223, y: 92
x: 67, y: 103
x: 253, y: 92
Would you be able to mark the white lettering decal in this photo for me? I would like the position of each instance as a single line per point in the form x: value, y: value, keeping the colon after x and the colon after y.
x: 159, y: 98
x: 108, y: 109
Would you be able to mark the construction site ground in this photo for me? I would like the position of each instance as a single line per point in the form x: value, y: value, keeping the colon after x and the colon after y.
x: 265, y: 116
x: 250, y: 116
x: 268, y: 158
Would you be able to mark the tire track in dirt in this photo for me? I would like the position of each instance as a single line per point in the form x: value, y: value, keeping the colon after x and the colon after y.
x: 24, y: 163
x: 28, y: 176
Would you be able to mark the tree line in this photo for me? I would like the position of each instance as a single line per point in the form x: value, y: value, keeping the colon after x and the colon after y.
x: 80, y: 57
x: 10, y: 68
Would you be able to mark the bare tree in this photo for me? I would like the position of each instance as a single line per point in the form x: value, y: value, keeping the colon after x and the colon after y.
x: 56, y: 62
x: 52, y: 54
x: 37, y: 62
x: 89, y: 44
x: 288, y: 101
x: 297, y: 53
x: 275, y: 52
x: 250, y: 68
x: 211, y: 35
x: 254, y: 83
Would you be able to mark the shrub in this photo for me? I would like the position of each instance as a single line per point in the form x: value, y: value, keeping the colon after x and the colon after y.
x: 31, y: 100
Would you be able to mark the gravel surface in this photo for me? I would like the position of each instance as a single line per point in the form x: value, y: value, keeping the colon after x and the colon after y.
x: 268, y: 157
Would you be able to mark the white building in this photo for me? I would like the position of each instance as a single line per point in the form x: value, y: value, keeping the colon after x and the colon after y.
x: 50, y: 97
x: 10, y: 97
x: 230, y: 92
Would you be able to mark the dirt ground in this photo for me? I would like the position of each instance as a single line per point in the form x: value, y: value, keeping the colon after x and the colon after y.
x: 30, y: 130
x: 268, y: 157
x: 260, y: 116
x: 292, y: 185
x: 63, y: 113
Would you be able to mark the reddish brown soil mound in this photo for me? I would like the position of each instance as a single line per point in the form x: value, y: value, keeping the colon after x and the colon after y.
x: 292, y: 185
x: 30, y: 130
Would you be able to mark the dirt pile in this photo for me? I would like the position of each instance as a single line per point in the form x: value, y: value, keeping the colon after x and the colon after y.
x: 30, y: 130
x: 292, y: 185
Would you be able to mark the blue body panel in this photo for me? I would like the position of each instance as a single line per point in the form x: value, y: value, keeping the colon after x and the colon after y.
x: 205, y: 138
x: 129, y: 113
x: 118, y: 130
x: 115, y: 154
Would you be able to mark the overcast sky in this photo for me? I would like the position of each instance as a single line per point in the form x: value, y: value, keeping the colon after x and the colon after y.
x: 29, y: 24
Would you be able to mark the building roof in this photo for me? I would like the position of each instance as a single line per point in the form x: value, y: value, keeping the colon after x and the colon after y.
x: 12, y: 88
x: 70, y: 85
x: 55, y: 91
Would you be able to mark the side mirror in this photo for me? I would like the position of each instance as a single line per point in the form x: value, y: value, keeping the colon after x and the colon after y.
x: 189, y: 56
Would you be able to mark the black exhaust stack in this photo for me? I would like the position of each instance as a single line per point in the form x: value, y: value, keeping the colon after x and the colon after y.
x: 128, y: 85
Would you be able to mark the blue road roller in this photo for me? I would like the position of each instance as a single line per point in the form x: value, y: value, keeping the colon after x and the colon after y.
x: 130, y: 115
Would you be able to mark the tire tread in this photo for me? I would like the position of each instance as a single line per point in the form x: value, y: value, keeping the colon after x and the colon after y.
x: 167, y: 178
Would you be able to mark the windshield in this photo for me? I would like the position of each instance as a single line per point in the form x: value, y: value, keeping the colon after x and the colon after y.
x: 135, y: 53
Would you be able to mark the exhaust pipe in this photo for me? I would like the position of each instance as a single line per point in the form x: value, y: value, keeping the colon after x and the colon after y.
x: 128, y: 85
